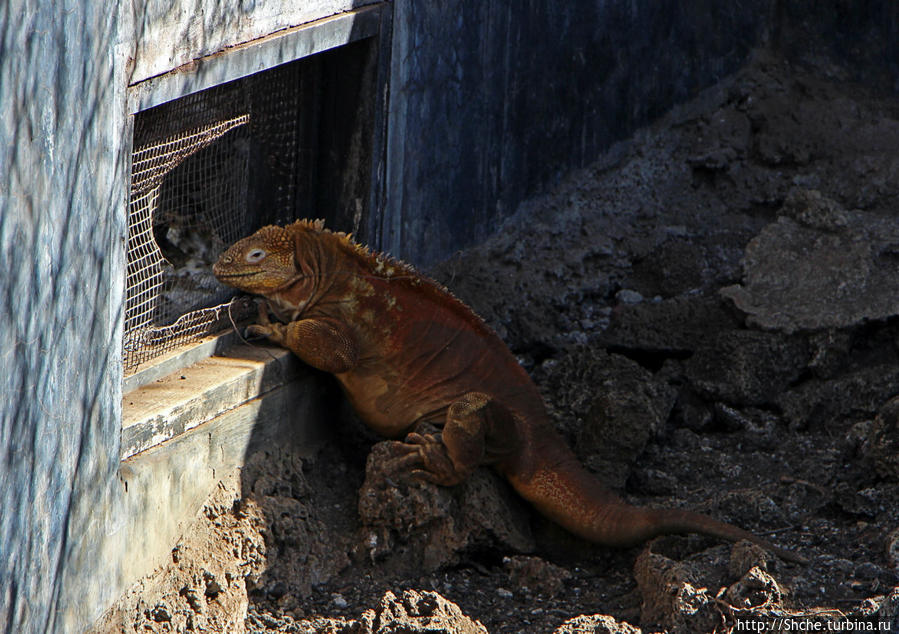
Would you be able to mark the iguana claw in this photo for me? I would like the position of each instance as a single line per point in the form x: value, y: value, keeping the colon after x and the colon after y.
x: 424, y: 457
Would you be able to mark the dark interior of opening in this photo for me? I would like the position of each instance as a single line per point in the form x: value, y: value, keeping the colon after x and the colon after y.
x: 318, y: 166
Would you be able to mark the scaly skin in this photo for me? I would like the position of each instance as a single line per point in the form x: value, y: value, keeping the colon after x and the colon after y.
x: 410, y: 356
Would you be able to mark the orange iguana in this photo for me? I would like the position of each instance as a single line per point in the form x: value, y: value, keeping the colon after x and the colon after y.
x: 408, y: 353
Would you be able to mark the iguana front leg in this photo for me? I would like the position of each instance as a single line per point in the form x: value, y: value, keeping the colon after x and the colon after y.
x: 322, y: 343
x: 478, y: 431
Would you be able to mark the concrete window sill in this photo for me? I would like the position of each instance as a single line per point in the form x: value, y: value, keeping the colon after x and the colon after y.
x: 185, y: 431
x: 171, y: 398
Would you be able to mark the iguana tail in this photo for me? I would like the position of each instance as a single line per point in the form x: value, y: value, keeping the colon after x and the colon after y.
x: 565, y: 492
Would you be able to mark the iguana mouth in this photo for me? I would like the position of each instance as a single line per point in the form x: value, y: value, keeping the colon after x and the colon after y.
x: 223, y: 276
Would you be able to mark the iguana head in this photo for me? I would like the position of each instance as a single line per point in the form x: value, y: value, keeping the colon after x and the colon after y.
x: 266, y: 261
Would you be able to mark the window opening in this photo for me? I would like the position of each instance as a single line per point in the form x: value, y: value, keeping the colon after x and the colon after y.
x: 211, y: 167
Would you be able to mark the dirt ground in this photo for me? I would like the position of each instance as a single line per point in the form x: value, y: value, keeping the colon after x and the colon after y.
x: 711, y: 313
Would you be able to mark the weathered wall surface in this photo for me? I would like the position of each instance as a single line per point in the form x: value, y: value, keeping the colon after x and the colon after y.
x: 491, y: 100
x: 169, y: 34
x: 62, y: 197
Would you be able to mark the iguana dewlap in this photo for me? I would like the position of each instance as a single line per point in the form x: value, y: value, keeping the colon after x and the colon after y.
x: 408, y: 353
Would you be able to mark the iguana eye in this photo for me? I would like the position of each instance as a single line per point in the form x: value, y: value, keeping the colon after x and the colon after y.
x: 255, y: 256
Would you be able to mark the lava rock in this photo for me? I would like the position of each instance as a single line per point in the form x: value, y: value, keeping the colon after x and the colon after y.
x: 746, y: 555
x: 673, y: 597
x: 748, y: 507
x: 856, y: 395
x: 416, y: 525
x: 746, y: 367
x: 892, y: 548
x: 681, y: 266
x: 812, y: 209
x: 418, y: 613
x: 838, y: 272
x: 536, y: 575
x: 882, y: 444
x: 413, y: 612
x: 295, y: 526
x: 596, y: 624
x: 830, y: 352
x: 623, y: 408
x: 674, y: 326
x: 755, y: 588
x: 692, y: 412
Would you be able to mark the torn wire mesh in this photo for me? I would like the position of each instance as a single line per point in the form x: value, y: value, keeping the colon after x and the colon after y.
x: 188, y: 202
x: 207, y: 170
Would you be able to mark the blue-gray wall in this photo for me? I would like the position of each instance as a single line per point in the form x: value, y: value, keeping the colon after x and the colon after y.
x: 62, y: 226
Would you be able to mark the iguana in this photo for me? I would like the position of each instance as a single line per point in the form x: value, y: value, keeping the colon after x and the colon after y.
x: 408, y: 354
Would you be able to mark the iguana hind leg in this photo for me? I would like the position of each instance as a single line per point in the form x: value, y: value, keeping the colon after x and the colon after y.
x: 475, y: 428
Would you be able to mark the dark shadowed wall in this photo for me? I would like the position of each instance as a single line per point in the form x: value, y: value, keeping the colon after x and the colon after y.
x: 492, y: 100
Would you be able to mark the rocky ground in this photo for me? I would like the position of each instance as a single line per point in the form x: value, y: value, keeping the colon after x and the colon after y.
x: 712, y: 313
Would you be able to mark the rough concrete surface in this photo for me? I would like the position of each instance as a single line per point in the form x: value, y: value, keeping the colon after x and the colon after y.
x: 770, y: 404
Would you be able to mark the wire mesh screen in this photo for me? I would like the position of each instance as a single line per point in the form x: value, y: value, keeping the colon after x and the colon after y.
x: 190, y: 199
x: 212, y: 167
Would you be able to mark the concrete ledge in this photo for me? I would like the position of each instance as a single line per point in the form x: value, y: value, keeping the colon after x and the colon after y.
x: 164, y: 488
x: 178, y: 358
x: 187, y: 397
